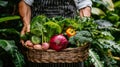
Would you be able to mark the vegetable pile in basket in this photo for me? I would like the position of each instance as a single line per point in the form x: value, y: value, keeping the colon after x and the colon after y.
x: 57, y: 33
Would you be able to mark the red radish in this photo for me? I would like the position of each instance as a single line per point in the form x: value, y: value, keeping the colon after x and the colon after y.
x: 45, y: 46
x: 58, y: 42
x: 37, y: 47
x: 29, y: 43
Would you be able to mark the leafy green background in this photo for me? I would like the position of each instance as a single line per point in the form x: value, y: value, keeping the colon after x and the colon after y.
x: 104, y: 49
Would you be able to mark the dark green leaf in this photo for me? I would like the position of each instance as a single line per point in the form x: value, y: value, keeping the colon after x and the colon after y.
x: 95, y: 59
x: 10, y: 31
x: 3, y: 3
x: 11, y: 48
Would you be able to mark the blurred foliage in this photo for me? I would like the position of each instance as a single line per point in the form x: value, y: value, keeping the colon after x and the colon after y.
x: 11, y: 49
x: 103, y: 53
x: 10, y: 25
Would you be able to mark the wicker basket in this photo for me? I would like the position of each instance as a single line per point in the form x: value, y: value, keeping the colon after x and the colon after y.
x: 68, y: 55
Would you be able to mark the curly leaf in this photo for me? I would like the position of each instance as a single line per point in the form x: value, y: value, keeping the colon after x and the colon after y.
x: 107, y: 35
x: 52, y: 27
x: 81, y: 37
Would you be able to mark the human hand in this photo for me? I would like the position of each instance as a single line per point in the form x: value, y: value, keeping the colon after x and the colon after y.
x: 28, y: 44
x: 85, y: 12
x: 25, y: 13
x: 25, y: 29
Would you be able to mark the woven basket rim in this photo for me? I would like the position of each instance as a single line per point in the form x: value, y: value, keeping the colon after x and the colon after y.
x: 77, y: 54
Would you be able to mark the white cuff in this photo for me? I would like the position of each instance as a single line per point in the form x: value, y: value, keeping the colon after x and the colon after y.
x: 83, y: 3
x: 29, y: 2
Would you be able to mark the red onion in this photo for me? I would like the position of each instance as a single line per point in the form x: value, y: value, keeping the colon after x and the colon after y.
x: 58, y: 42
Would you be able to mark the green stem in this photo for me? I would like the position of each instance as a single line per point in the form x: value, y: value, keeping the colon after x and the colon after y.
x: 78, y: 44
x: 42, y: 36
x: 45, y: 39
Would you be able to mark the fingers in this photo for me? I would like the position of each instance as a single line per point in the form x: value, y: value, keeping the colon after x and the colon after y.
x: 23, y: 30
x: 22, y: 41
x: 28, y: 28
x: 81, y: 13
x: 28, y: 44
x: 85, y: 12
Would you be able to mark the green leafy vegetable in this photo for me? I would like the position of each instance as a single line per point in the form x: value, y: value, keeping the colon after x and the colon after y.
x: 81, y: 38
x: 68, y: 22
x: 37, y: 27
x: 52, y: 28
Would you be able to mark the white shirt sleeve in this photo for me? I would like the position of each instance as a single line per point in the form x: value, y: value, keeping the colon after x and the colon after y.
x: 83, y: 3
x: 79, y: 3
x: 29, y: 2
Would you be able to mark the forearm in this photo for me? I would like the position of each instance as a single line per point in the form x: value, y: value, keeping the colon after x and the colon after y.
x: 84, y: 7
x: 25, y: 12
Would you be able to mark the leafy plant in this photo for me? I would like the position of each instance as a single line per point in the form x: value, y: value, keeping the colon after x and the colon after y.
x: 3, y: 3
x: 9, y: 45
x: 100, y: 31
x: 105, y: 47
x: 11, y: 48
x: 43, y: 28
x: 81, y: 38
x: 95, y: 58
x: 52, y: 28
